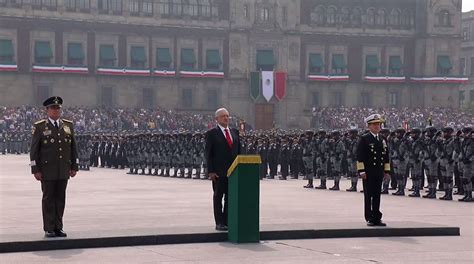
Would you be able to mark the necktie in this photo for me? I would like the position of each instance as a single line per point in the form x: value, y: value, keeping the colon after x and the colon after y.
x: 56, y: 124
x: 227, y: 137
x: 377, y: 137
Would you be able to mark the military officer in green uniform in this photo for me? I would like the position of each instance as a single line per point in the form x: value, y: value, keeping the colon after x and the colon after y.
x: 53, y: 156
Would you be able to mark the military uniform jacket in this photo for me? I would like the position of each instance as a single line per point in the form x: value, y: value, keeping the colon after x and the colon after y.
x: 53, y: 150
x: 372, y: 156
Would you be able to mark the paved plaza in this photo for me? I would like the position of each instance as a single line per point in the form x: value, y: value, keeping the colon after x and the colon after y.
x: 106, y: 201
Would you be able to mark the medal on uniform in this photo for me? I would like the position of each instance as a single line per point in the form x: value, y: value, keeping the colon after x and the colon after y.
x: 45, y: 141
x: 46, y: 132
x: 67, y: 130
x: 52, y: 140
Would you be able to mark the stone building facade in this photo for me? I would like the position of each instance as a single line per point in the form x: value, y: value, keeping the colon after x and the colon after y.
x: 196, y: 55
x: 466, y: 94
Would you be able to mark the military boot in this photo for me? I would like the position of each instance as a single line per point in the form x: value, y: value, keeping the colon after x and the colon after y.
x: 469, y: 198
x: 322, y: 186
x: 310, y: 184
x: 190, y: 173
x: 460, y: 191
x: 336, y: 186
x: 431, y: 194
x: 198, y: 174
x: 448, y: 195
x: 466, y: 195
x: 353, y: 187
x: 416, y: 192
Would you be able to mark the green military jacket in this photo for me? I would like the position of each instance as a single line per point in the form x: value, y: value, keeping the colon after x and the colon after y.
x: 53, y: 150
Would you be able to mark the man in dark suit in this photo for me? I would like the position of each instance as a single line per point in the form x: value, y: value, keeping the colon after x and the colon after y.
x: 53, y: 156
x: 373, y: 166
x: 222, y: 147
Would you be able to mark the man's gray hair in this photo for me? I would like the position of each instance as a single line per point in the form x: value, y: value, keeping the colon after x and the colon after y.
x: 218, y: 111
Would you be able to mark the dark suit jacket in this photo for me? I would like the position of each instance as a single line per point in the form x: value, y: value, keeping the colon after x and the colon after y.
x: 219, y: 155
x: 53, y: 151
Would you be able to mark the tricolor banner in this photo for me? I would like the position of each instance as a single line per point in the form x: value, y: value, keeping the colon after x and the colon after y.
x: 59, y: 69
x: 267, y: 85
x: 254, y: 85
x: 385, y: 79
x: 454, y: 80
x: 123, y: 71
x: 328, y: 78
x: 164, y: 73
x: 8, y: 67
x: 280, y: 85
x: 201, y: 74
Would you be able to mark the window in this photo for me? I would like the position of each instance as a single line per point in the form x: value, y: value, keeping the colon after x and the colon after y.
x: 205, y: 8
x: 115, y: 6
x: 395, y: 17
x: 246, y: 10
x: 191, y: 8
x: 318, y: 16
x: 135, y: 7
x: 393, y: 99
x: 345, y: 16
x: 75, y: 54
x: 147, y: 7
x: 315, y: 63
x: 444, y: 65
x: 444, y: 18
x: 163, y: 58
x: 3, y: 2
x: 148, y: 98
x: 406, y: 18
x: 187, y: 98
x: 43, y: 52
x: 107, y: 56
x: 365, y: 99
x: 285, y: 15
x: 265, y: 60
x: 214, y: 10
x: 137, y: 57
x: 176, y: 7
x: 371, y: 65
x: 164, y: 7
x: 106, y: 98
x: 264, y: 14
x: 462, y: 66
x: 465, y: 34
x: 381, y: 19
x: 6, y: 51
x: 370, y: 17
x: 72, y: 5
x: 188, y: 59
x: 462, y: 98
x: 472, y: 67
x: 356, y: 17
x: 338, y: 64
x: 50, y: 4
x: 395, y: 66
x: 213, y: 59
x: 331, y: 15
x: 36, y: 4
x: 212, y: 99
x: 471, y: 95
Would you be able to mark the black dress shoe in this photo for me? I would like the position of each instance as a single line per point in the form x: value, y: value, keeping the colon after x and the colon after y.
x: 60, y: 233
x: 49, y: 234
x: 221, y: 228
x: 380, y: 223
x: 369, y: 223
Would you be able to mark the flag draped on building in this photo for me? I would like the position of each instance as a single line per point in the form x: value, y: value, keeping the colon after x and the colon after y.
x: 267, y: 85
x: 254, y: 85
x: 280, y: 85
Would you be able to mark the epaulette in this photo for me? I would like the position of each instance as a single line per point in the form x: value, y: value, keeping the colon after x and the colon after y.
x: 69, y: 121
x: 40, y: 121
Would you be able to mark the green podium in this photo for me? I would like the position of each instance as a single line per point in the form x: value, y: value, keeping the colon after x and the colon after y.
x: 244, y: 199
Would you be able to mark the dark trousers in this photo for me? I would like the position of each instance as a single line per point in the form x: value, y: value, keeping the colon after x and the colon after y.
x: 53, y: 203
x: 220, y: 191
x: 372, y: 199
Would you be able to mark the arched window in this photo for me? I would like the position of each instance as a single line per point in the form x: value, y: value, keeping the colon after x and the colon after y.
x: 190, y: 8
x: 370, y: 17
x: 444, y: 18
x: 205, y: 8
x: 406, y: 18
x: 176, y: 7
x: 318, y: 16
x: 331, y: 15
x: 214, y: 9
x: 356, y: 16
x: 395, y: 17
x: 344, y: 17
x: 381, y: 17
